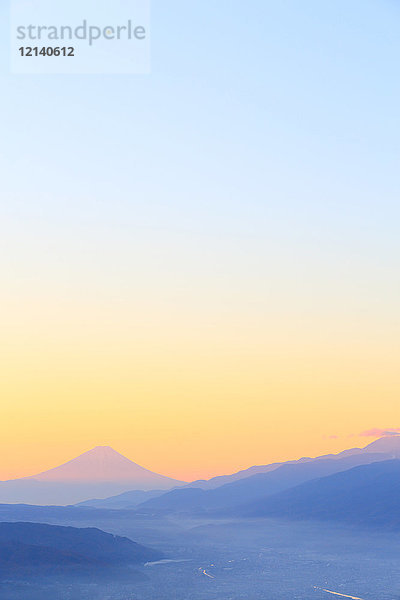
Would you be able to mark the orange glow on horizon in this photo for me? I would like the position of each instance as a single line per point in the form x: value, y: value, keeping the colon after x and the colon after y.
x: 190, y: 393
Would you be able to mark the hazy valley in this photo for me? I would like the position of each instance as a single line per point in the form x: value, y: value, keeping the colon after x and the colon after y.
x: 312, y: 528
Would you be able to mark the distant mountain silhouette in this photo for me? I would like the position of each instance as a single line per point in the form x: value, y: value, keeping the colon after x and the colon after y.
x: 33, y: 549
x: 103, y: 464
x: 100, y: 473
x: 184, y: 500
x: 127, y: 500
x: 367, y: 495
x: 255, y: 487
x: 384, y: 449
x: 220, y: 480
x: 389, y: 445
x: 103, y: 473
x: 61, y: 515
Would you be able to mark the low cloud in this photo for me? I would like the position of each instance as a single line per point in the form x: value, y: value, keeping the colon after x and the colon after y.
x: 394, y: 431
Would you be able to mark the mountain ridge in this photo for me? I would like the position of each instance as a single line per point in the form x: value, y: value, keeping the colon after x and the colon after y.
x: 31, y: 550
x: 367, y: 495
x: 226, y: 497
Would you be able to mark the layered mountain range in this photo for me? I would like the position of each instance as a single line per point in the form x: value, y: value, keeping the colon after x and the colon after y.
x: 365, y: 495
x: 103, y: 478
x: 229, y: 498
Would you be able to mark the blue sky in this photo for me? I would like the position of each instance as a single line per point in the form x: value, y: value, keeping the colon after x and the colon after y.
x: 275, y: 120
x: 293, y: 101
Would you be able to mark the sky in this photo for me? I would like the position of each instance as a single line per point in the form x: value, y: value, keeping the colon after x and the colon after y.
x: 200, y: 266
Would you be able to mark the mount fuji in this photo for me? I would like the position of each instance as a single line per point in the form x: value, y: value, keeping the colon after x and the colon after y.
x: 100, y: 472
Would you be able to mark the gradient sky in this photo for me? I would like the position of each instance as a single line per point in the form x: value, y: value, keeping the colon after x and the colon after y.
x: 200, y: 267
